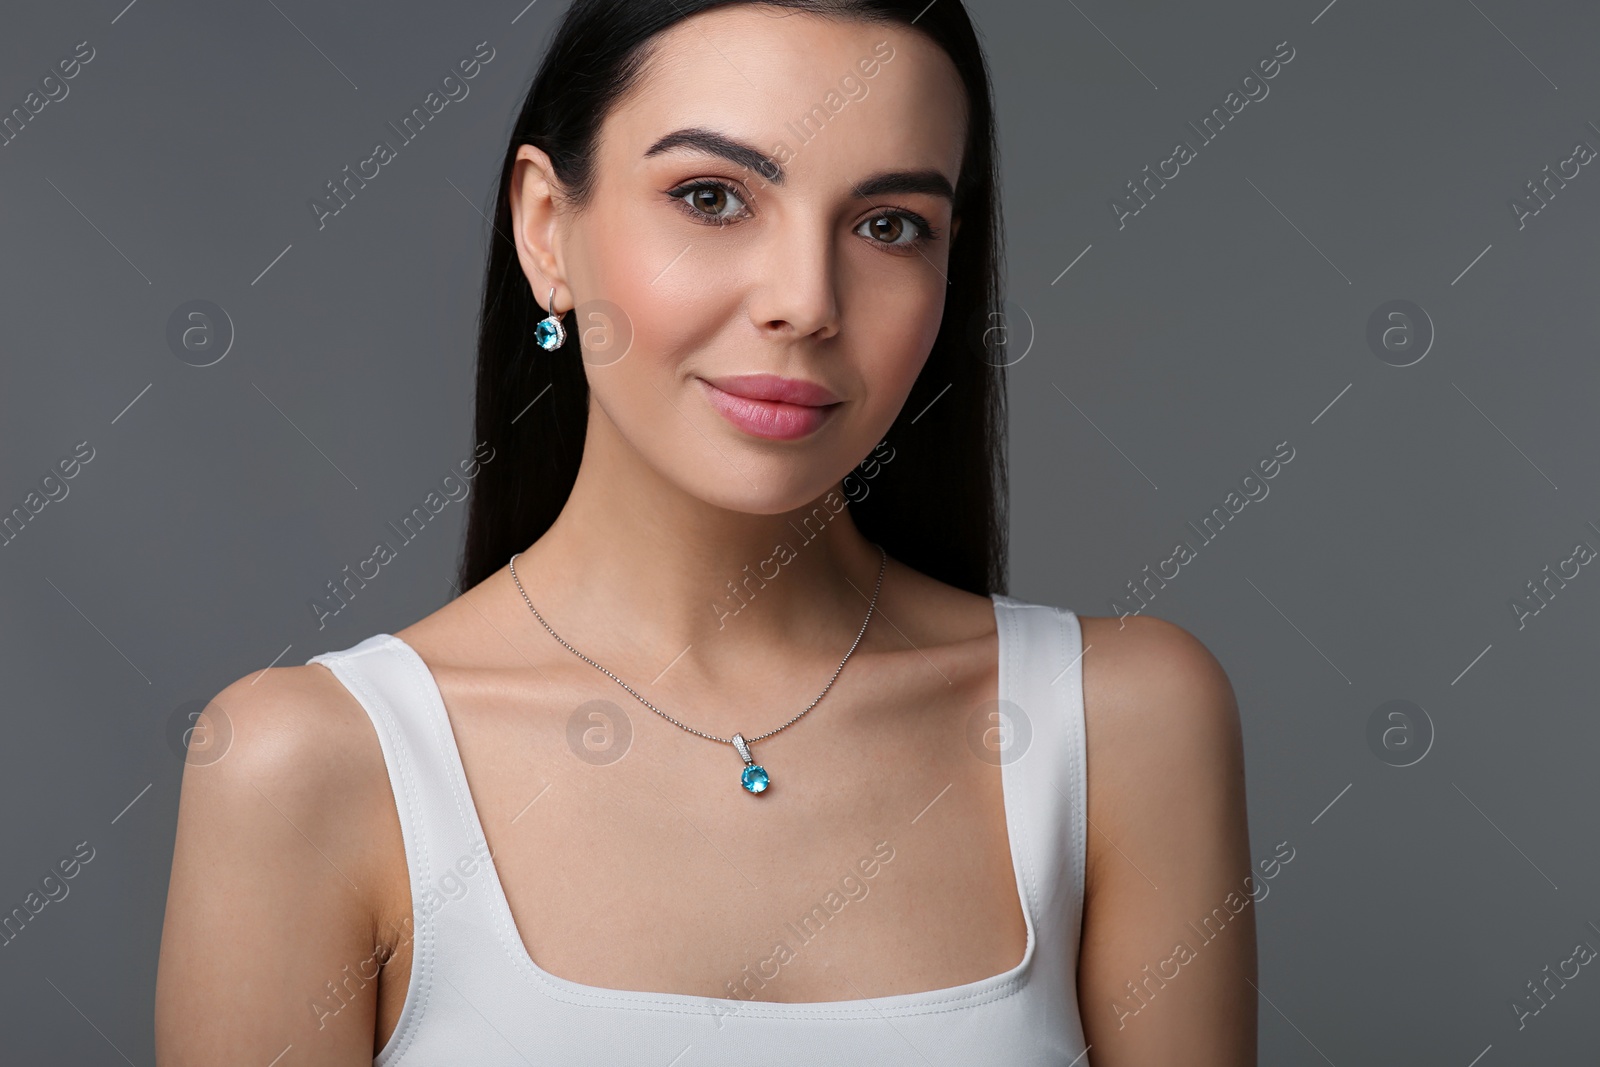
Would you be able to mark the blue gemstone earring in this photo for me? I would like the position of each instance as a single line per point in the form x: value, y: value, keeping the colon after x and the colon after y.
x: 550, y: 334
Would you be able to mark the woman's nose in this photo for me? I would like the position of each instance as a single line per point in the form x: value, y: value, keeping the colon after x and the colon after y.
x: 796, y: 290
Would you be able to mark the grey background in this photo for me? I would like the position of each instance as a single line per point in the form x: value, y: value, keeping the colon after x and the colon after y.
x: 1227, y: 316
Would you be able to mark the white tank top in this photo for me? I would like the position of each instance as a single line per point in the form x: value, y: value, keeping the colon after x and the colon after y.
x: 476, y: 996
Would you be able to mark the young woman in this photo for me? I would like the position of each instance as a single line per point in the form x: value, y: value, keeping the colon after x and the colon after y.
x: 732, y: 750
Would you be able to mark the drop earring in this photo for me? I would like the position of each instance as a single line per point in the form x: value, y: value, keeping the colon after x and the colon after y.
x: 550, y: 334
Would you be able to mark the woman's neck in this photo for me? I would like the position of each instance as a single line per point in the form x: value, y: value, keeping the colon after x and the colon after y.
x: 630, y: 550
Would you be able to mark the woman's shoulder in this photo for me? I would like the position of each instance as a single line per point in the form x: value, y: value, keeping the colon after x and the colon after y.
x: 1155, y: 690
x: 1163, y: 733
x: 289, y: 754
x: 1143, y: 672
x: 1149, y: 645
x: 285, y: 852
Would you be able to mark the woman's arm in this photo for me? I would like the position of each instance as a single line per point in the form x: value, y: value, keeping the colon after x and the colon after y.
x: 1168, y: 957
x: 270, y: 930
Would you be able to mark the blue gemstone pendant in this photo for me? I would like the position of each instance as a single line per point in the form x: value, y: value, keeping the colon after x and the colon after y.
x: 754, y: 776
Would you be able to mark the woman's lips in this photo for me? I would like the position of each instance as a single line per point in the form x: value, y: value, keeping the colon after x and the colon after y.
x: 773, y: 419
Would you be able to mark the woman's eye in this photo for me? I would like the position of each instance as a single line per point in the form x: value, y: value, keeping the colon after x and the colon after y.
x: 897, y: 230
x: 708, y: 201
x: 716, y: 203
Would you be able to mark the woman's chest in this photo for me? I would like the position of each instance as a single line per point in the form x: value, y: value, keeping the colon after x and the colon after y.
x: 629, y: 857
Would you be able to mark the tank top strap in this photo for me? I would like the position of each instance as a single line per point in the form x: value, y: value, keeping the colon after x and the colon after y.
x: 447, y: 857
x: 1041, y: 689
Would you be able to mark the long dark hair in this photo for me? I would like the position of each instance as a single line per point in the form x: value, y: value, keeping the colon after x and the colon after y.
x: 939, y: 506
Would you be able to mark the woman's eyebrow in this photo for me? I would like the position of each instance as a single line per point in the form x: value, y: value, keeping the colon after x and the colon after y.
x: 713, y: 143
x: 716, y: 144
x: 907, y: 181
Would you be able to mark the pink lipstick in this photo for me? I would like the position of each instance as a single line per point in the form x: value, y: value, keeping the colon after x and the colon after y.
x: 766, y: 405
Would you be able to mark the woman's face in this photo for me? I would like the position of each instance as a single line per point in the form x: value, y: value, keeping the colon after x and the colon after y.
x: 771, y: 200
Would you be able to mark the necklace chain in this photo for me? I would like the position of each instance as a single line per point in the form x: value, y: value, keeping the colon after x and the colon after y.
x: 882, y: 566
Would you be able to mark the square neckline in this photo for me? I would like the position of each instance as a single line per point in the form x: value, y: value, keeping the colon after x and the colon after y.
x: 947, y: 998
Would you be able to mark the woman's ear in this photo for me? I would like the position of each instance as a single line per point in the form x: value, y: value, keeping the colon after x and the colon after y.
x: 535, y: 223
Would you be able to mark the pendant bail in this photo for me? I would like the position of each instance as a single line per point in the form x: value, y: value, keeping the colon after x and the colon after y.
x: 743, y: 747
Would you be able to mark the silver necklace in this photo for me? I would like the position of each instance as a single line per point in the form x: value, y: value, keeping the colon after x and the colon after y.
x: 754, y: 777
